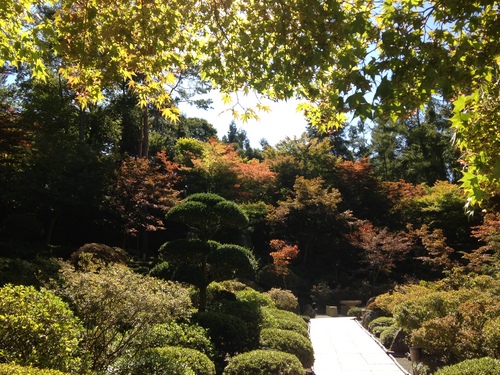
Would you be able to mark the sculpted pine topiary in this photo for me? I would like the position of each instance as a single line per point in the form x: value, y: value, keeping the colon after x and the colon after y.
x: 201, y: 260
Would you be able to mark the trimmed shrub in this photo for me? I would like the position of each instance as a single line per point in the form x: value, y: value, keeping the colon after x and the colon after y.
x: 264, y: 362
x: 180, y: 334
x: 356, y: 311
x: 11, y: 369
x: 171, y: 360
x: 284, y: 300
x: 275, y: 318
x: 288, y: 342
x: 378, y: 325
x: 251, y: 295
x: 227, y: 332
x: 161, y: 271
x: 480, y: 366
x: 38, y: 328
x: 387, y: 335
x: 93, y: 253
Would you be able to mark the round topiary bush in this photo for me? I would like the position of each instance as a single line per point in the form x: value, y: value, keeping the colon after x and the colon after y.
x: 171, y: 360
x: 288, y: 342
x: 376, y: 326
x: 37, y: 328
x: 227, y: 332
x: 11, y: 369
x: 479, y: 366
x: 92, y: 253
x: 251, y: 295
x: 284, y: 299
x: 387, y: 335
x: 264, y: 362
x: 180, y: 334
x: 275, y: 318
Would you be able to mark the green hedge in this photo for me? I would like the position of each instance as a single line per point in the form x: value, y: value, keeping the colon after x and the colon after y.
x: 288, y: 342
x: 171, y: 360
x: 275, y: 318
x: 180, y: 334
x: 264, y: 362
x: 480, y: 366
x: 11, y: 369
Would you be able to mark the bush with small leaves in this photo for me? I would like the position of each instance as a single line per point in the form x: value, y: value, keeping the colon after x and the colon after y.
x: 264, y: 362
x: 491, y: 337
x: 284, y: 299
x: 275, y: 318
x: 478, y: 366
x: 387, y: 335
x: 356, y: 311
x: 97, y: 253
x: 117, y: 308
x: 11, y: 369
x: 38, y: 329
x: 377, y: 325
x: 161, y: 271
x: 227, y: 332
x: 171, y: 360
x: 288, y: 342
x: 251, y: 295
x: 180, y: 334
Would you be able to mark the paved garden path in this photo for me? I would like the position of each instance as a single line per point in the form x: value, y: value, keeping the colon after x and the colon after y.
x: 343, y: 347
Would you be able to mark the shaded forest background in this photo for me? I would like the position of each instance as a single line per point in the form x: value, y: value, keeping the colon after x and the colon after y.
x: 367, y: 205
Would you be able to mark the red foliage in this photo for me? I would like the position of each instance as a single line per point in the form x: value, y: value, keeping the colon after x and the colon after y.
x: 489, y: 233
x: 144, y: 192
x: 283, y: 255
x: 381, y: 248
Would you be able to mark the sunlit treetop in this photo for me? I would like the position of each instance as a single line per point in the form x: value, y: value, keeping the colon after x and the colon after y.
x: 364, y: 58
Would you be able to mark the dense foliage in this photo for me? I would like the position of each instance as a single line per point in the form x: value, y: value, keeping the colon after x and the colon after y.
x: 94, y: 151
x: 38, y: 329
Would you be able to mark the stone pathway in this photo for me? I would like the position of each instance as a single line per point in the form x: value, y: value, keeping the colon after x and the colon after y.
x: 343, y: 347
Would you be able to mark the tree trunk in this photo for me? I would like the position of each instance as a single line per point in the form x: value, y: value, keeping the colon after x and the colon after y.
x: 144, y: 143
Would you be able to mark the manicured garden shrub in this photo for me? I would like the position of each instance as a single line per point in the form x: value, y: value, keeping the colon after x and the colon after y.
x: 284, y: 300
x: 479, y: 366
x: 288, y: 342
x: 264, y: 362
x: 275, y: 318
x: 180, y: 334
x: 37, y: 328
x: 387, y: 335
x: 171, y: 360
x: 11, y: 369
x: 161, y: 271
x: 227, y: 332
x: 378, y: 325
x: 355, y: 311
x: 251, y: 295
x: 96, y: 252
